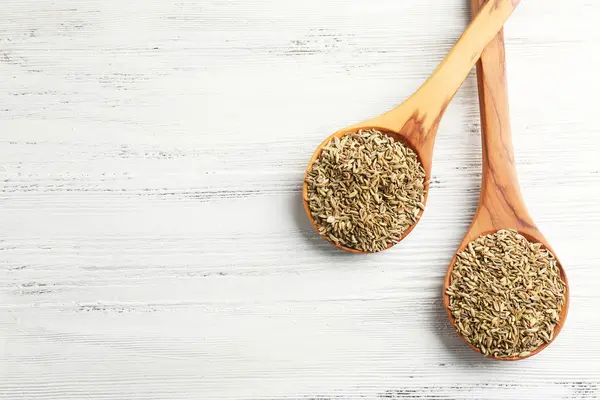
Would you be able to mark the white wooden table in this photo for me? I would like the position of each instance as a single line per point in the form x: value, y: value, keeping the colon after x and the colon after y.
x: 153, y: 243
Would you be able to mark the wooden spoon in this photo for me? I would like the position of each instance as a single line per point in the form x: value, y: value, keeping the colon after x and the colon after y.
x: 501, y: 205
x: 415, y: 122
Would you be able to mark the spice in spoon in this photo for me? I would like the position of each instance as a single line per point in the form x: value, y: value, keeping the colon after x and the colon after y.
x: 365, y: 190
x: 506, y: 294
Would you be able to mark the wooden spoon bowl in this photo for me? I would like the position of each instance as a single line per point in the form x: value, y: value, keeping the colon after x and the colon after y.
x: 397, y: 137
x: 501, y: 205
x: 482, y: 226
x: 415, y: 122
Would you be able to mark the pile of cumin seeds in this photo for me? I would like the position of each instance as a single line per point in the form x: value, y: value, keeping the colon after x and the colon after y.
x: 365, y: 190
x: 506, y: 294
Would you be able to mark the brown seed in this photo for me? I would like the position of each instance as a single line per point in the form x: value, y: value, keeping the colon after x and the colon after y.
x: 374, y: 184
x: 515, y: 285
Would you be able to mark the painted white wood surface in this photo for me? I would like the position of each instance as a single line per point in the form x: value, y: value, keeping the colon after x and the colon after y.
x: 152, y: 239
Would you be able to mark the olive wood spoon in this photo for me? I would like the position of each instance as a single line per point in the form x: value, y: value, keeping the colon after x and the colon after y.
x: 415, y: 122
x: 501, y: 205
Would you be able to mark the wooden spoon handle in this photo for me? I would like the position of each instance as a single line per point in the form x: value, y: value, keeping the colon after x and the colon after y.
x: 435, y: 94
x: 501, y: 204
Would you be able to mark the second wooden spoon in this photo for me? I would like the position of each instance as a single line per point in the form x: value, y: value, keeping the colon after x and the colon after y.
x: 501, y: 205
x: 415, y: 122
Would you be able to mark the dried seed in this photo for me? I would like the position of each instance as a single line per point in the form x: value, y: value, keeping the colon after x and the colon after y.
x: 512, y: 283
x: 372, y: 183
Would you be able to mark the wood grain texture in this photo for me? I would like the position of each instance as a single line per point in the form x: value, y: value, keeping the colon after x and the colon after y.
x: 153, y: 243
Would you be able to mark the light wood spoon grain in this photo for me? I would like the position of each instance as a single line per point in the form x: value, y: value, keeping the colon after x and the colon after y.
x: 415, y: 122
x: 501, y: 205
